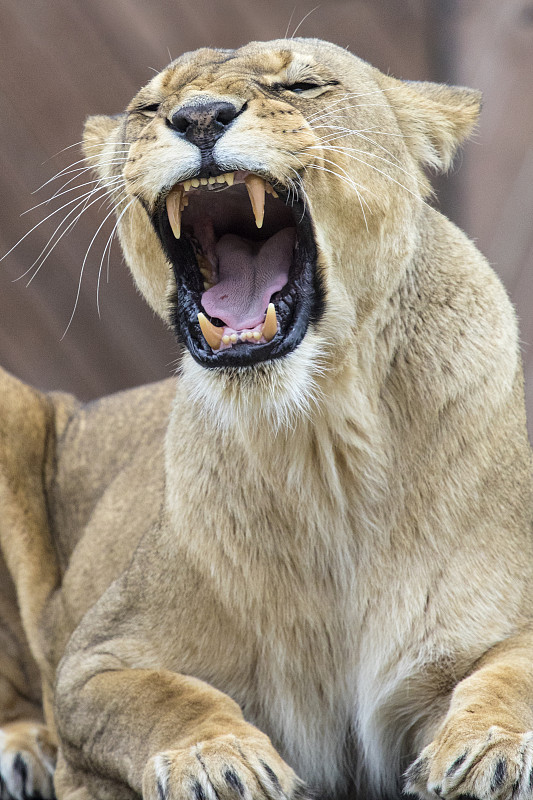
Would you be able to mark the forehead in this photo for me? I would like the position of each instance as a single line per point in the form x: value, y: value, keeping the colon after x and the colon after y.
x: 270, y: 62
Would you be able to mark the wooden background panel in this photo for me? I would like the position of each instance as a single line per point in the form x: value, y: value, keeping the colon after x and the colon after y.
x: 495, y: 53
x: 62, y: 60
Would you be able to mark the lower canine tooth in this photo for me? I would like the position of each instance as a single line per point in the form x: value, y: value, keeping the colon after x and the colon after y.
x: 212, y: 334
x: 270, y: 325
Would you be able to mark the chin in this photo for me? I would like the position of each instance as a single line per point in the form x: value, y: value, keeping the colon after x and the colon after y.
x: 260, y: 398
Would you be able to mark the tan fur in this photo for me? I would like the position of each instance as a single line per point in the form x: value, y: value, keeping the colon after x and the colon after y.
x: 323, y: 563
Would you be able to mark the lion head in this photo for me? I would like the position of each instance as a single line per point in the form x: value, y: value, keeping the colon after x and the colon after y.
x: 269, y: 200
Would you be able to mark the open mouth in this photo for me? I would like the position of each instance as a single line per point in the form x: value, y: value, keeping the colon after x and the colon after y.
x: 244, y: 258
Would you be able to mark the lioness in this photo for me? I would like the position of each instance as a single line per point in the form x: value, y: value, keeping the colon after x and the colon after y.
x: 304, y: 564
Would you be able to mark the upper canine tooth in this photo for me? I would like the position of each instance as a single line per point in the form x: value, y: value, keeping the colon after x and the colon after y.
x: 256, y: 191
x: 212, y: 334
x: 270, y: 325
x: 174, y: 210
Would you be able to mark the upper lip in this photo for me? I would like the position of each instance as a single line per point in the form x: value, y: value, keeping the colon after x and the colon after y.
x: 176, y: 199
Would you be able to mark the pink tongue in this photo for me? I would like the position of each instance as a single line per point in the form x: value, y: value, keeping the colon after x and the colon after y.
x: 249, y: 274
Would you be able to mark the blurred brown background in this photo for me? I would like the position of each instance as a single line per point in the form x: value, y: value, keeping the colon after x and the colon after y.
x: 61, y: 60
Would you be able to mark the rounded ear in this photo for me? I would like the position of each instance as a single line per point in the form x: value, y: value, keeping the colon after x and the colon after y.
x: 99, y: 132
x: 434, y: 118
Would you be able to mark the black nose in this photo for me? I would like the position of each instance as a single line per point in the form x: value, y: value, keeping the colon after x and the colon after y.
x: 203, y: 124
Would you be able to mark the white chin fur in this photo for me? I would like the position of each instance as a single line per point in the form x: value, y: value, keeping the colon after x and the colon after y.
x: 273, y: 394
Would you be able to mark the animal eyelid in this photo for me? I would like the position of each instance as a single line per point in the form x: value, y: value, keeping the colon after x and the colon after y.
x: 302, y: 86
x: 151, y: 107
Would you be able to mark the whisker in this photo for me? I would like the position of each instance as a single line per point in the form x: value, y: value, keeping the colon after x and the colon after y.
x: 102, y: 145
x: 364, y: 152
x: 68, y: 171
x: 51, y: 244
x: 63, y: 172
x: 372, y: 166
x: 72, y: 189
x: 303, y: 20
x: 367, y: 139
x: 349, y: 182
x: 56, y: 194
x: 108, y: 248
x: 349, y: 178
x: 352, y: 95
x: 333, y: 112
x: 355, y: 131
x: 289, y: 23
x: 360, y: 133
x: 69, y: 147
x: 107, y: 266
x: 56, y: 211
x: 301, y: 190
x: 83, y: 268
x: 67, y: 183
x: 332, y: 137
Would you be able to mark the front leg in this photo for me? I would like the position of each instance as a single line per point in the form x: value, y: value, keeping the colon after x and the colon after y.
x: 484, y: 748
x: 163, y: 735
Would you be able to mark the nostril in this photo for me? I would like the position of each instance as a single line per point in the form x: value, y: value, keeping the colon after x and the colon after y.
x: 180, y: 121
x: 226, y: 113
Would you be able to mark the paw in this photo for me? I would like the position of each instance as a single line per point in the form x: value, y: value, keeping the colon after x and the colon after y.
x: 494, y: 765
x: 27, y: 761
x: 223, y: 768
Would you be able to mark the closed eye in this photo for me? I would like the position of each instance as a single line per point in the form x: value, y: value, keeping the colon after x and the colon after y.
x: 153, y: 108
x: 306, y: 88
x: 299, y: 88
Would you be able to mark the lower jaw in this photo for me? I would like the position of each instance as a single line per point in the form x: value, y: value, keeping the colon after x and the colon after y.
x: 243, y: 348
